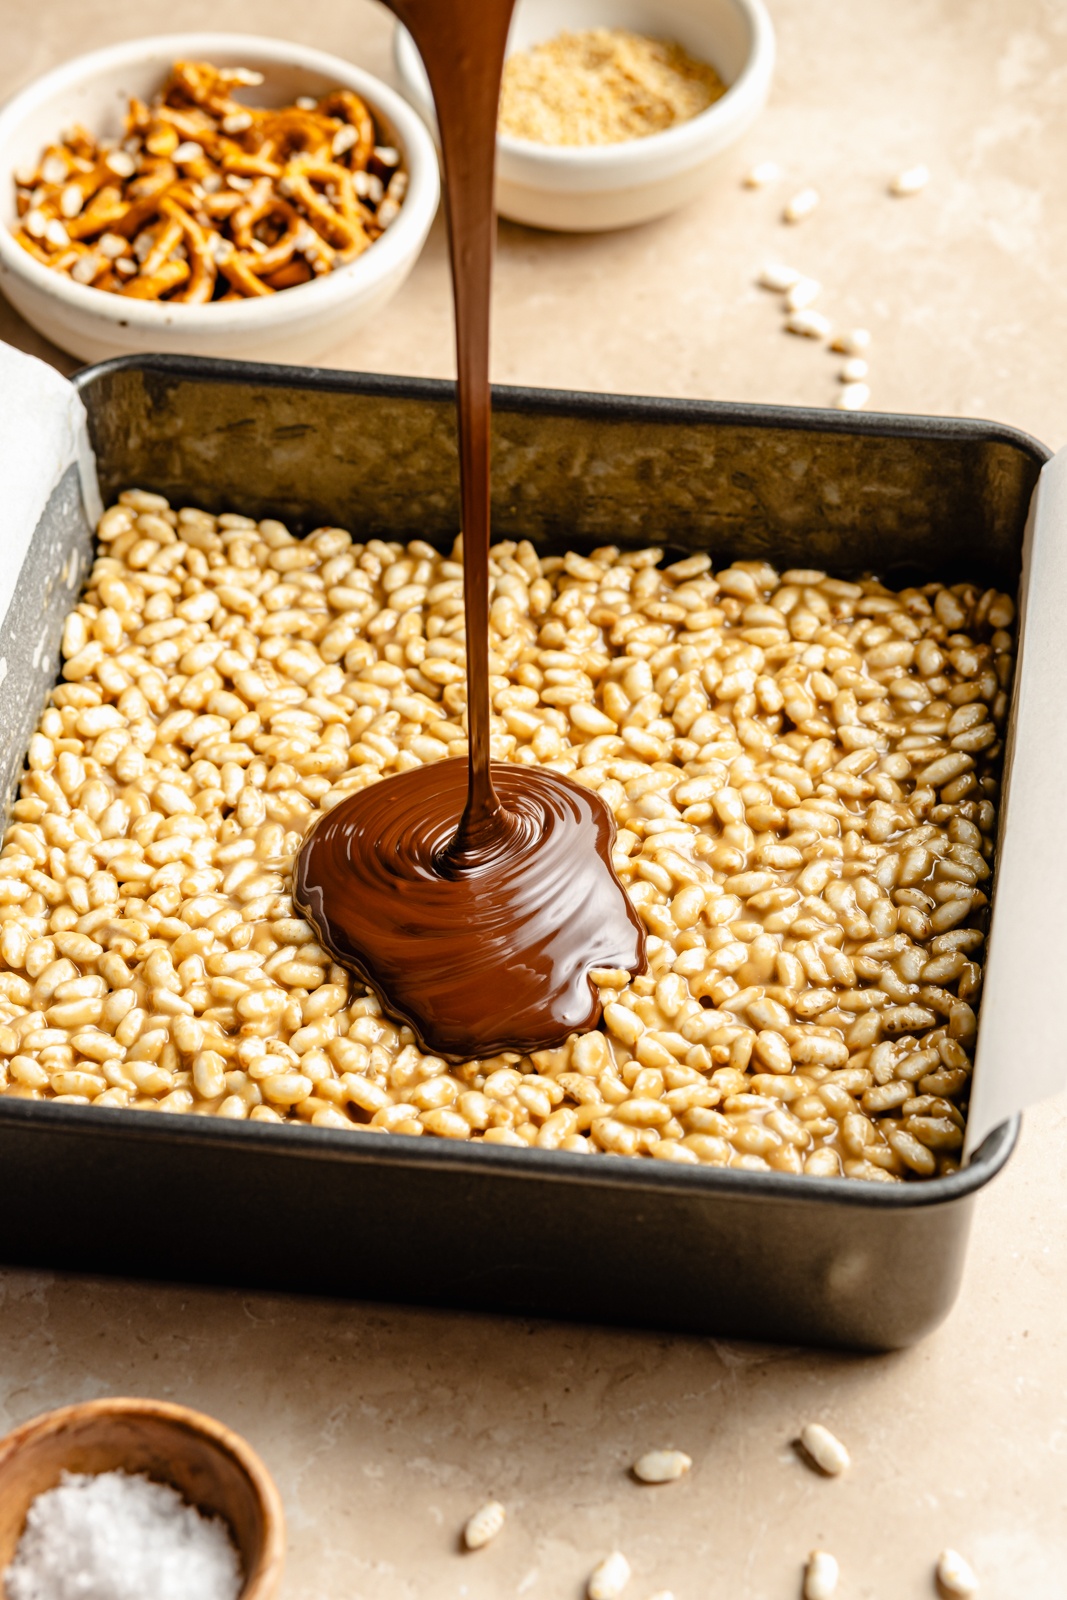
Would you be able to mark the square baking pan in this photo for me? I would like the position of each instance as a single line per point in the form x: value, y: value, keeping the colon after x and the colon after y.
x: 754, y: 1255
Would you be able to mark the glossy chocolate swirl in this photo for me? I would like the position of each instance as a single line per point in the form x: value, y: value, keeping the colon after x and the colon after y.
x: 489, y: 955
x: 474, y: 898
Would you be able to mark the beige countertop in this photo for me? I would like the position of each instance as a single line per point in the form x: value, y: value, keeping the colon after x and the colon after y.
x: 386, y: 1427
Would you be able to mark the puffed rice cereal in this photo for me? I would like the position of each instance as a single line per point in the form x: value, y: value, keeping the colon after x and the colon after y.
x: 803, y: 771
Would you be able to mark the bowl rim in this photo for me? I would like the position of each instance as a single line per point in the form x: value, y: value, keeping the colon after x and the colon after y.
x: 271, y: 1558
x: 670, y: 145
x: 388, y: 255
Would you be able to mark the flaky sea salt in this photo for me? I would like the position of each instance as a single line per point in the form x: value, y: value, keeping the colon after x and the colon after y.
x: 120, y: 1536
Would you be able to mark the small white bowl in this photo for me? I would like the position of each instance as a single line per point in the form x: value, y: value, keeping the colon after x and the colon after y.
x: 587, y: 188
x: 292, y: 325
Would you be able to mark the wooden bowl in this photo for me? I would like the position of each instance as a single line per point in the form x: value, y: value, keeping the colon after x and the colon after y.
x: 212, y: 1468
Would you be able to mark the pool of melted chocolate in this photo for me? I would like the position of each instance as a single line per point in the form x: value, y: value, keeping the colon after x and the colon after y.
x: 489, y: 954
x: 474, y: 897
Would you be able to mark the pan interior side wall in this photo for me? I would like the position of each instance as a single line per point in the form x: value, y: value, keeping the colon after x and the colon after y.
x: 49, y: 583
x: 947, y: 504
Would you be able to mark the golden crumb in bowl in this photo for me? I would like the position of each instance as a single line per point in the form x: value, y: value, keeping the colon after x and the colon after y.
x: 603, y: 86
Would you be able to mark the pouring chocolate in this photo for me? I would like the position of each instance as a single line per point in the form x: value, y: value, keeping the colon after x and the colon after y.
x: 476, y: 898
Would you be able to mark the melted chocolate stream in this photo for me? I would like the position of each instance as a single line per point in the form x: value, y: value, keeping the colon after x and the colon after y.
x: 474, y: 898
x: 463, y: 47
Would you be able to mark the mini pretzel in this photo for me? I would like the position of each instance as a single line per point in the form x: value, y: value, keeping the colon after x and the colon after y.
x: 169, y: 276
x: 192, y: 124
x: 137, y: 117
x: 79, y: 142
x: 276, y: 255
x: 209, y: 87
x: 161, y: 139
x: 32, y: 248
x: 225, y: 204
x: 168, y: 238
x: 320, y: 256
x: 300, y: 132
x: 343, y: 228
x: 69, y: 258
x: 347, y: 105
x: 187, y: 195
x: 90, y: 183
x: 148, y: 191
x: 223, y: 201
x: 290, y: 277
x: 236, y: 269
x: 203, y: 269
x: 103, y: 211
x: 250, y: 166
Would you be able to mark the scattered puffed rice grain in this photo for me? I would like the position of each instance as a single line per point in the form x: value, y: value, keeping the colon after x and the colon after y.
x: 955, y: 1575
x: 761, y: 174
x: 778, y: 277
x: 485, y: 1524
x: 853, y: 343
x: 825, y: 1449
x: 909, y: 181
x: 853, y: 369
x: 662, y: 1466
x: 809, y: 324
x: 802, y: 205
x: 820, y: 1576
x: 307, y: 102
x: 56, y: 234
x: 802, y: 294
x: 853, y: 397
x: 610, y: 1578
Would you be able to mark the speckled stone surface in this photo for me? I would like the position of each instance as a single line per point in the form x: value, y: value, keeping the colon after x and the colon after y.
x: 385, y: 1427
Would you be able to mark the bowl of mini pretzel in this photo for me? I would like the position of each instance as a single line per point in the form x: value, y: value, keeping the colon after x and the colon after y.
x: 209, y: 194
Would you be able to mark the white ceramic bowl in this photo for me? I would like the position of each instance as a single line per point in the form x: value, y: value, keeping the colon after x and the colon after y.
x: 585, y: 188
x: 292, y: 325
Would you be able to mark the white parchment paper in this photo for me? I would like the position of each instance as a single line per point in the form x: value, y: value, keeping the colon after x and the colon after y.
x: 43, y: 432
x: 1022, y: 1033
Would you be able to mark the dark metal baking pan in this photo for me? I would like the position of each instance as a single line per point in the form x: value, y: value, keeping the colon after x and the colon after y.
x: 757, y: 1255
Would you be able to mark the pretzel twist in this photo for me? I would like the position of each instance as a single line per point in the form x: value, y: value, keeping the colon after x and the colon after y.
x: 347, y: 105
x: 269, y: 209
